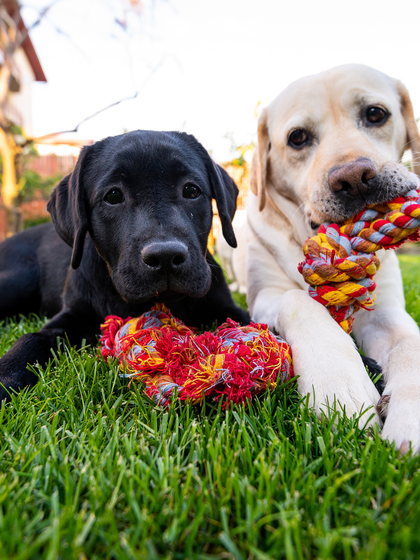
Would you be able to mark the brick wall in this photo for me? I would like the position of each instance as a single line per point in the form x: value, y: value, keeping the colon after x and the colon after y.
x: 35, y: 209
x: 50, y: 165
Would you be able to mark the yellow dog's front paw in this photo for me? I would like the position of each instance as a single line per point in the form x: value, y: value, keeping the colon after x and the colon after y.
x: 402, y: 425
x: 348, y: 396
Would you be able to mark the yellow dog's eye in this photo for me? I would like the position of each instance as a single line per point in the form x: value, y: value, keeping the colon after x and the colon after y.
x: 376, y: 115
x: 298, y: 138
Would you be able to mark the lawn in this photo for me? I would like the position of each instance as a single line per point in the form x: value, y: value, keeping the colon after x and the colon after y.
x: 90, y: 469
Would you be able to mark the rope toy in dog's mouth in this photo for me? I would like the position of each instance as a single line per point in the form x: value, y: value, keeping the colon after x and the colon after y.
x: 340, y: 261
x: 235, y: 362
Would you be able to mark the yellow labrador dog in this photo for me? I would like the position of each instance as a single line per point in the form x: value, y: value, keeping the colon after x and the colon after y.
x: 327, y: 146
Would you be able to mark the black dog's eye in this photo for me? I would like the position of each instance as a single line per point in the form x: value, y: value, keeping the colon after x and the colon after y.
x: 376, y: 115
x: 298, y: 138
x: 114, y: 196
x: 191, y: 191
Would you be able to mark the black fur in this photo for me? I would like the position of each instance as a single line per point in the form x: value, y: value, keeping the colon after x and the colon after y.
x: 106, y: 245
x: 375, y: 371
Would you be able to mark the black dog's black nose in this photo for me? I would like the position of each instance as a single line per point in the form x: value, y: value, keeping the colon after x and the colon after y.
x: 353, y: 177
x: 165, y: 255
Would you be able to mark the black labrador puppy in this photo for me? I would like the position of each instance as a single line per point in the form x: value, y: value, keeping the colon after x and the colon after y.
x: 138, y: 209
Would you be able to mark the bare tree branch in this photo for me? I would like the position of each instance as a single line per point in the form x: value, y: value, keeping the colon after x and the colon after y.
x: 14, y: 34
x: 25, y: 33
x: 75, y: 129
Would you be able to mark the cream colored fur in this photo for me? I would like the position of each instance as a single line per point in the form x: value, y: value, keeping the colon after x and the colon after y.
x: 289, y: 190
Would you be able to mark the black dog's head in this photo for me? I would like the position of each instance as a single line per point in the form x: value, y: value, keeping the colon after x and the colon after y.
x: 145, y: 198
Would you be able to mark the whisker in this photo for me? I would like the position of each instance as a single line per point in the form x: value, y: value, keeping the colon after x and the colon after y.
x: 409, y: 142
x: 297, y: 209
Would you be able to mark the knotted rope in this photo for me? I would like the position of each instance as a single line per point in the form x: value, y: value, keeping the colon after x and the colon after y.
x: 159, y: 350
x: 340, y: 261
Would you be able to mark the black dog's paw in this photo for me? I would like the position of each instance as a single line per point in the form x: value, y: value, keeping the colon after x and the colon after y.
x: 14, y: 379
x: 239, y: 315
x: 30, y: 348
x: 375, y: 371
x: 7, y: 387
x: 14, y: 382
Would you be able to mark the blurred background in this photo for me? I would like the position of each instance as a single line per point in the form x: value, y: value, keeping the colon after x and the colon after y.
x: 75, y: 71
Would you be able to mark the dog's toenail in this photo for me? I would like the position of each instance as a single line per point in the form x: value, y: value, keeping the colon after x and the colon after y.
x: 382, y: 406
x: 405, y: 447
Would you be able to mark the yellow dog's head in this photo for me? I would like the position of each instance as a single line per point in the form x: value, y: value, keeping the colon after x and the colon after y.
x: 333, y: 143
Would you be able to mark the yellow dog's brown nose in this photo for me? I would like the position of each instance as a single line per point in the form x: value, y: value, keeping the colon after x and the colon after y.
x: 353, y: 177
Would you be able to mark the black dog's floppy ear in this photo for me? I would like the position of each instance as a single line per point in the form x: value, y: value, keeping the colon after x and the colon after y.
x: 225, y: 193
x: 68, y: 211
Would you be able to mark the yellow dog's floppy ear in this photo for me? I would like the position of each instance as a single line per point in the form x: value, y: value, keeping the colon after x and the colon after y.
x: 413, y: 136
x: 258, y: 173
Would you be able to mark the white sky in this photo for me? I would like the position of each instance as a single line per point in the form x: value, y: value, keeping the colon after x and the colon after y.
x: 203, y: 65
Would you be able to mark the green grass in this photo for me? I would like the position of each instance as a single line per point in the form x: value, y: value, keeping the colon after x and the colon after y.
x: 410, y: 268
x: 90, y: 469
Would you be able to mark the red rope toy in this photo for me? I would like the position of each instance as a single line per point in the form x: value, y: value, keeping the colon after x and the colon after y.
x: 235, y: 362
x: 239, y: 362
x: 340, y: 261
